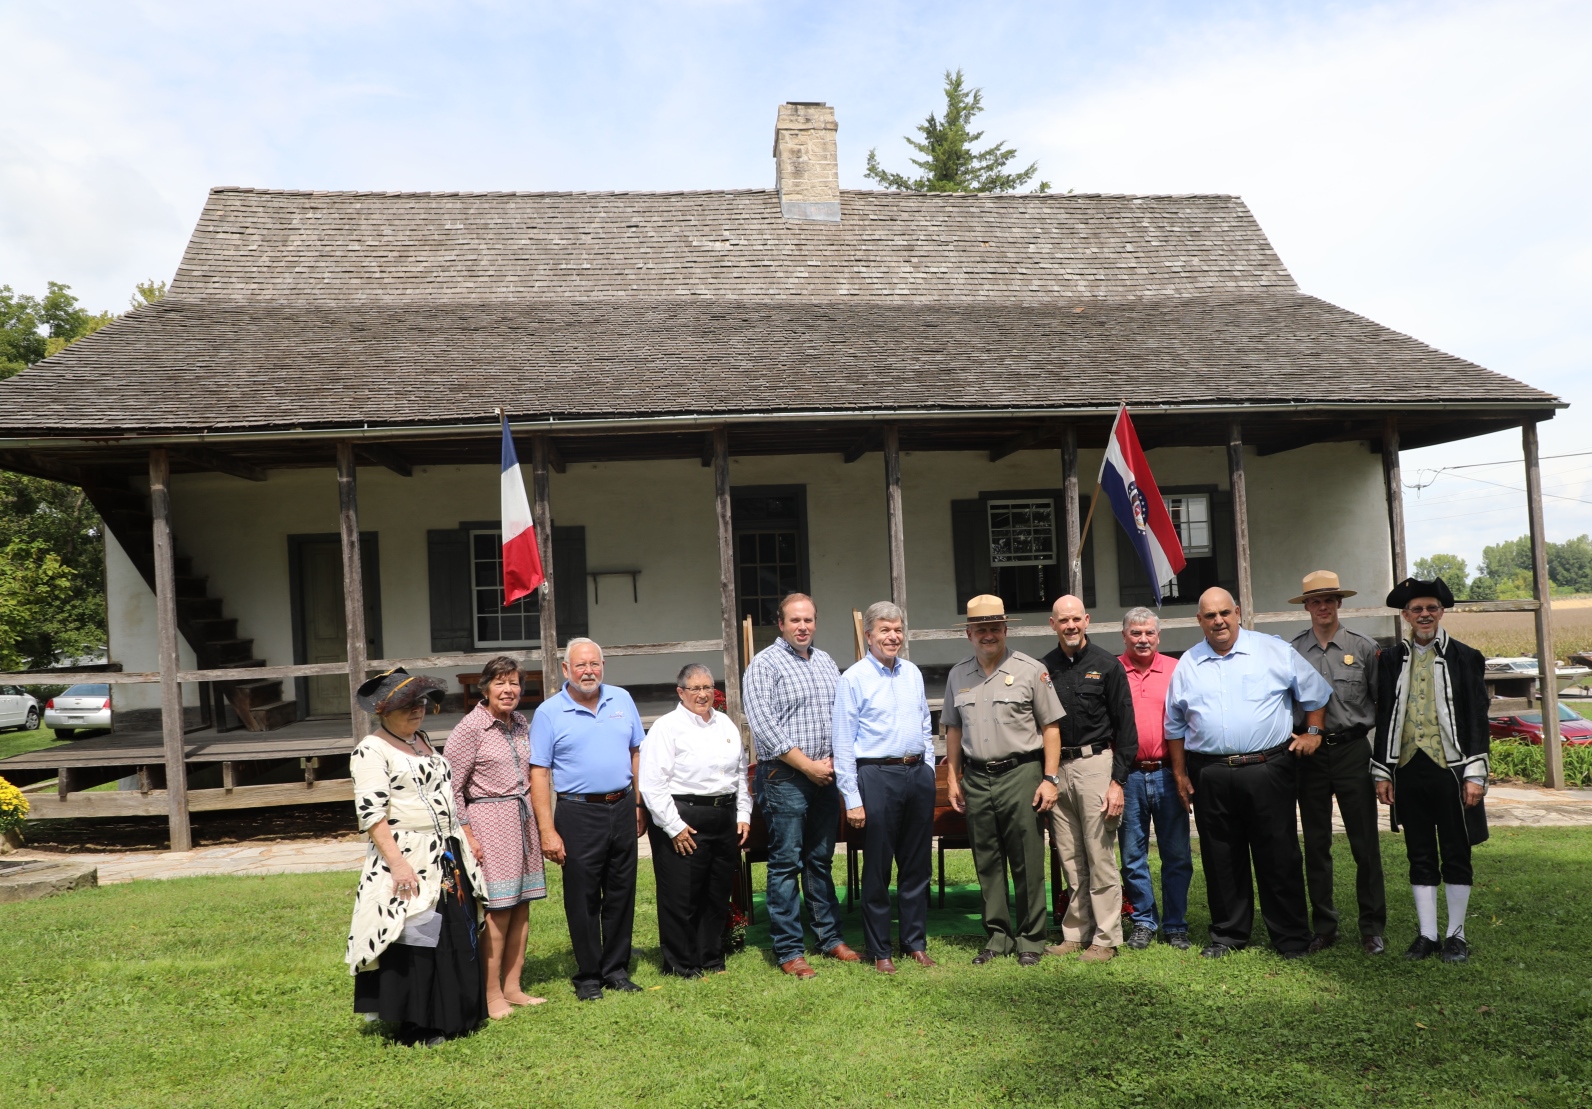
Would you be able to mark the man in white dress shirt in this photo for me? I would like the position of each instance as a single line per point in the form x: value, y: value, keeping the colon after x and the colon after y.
x: 884, y: 766
x: 693, y: 781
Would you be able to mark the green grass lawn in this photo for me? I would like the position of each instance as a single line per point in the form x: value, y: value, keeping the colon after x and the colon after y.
x: 232, y: 991
x: 20, y: 743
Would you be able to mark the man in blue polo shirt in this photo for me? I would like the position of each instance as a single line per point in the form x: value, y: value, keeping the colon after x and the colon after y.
x: 585, y: 745
x: 1230, y: 732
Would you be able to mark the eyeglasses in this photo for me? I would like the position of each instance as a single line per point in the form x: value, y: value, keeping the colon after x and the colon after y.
x: 697, y: 688
x: 1419, y: 610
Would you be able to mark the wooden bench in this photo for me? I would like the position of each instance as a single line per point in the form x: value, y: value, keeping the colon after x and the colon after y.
x: 530, y: 689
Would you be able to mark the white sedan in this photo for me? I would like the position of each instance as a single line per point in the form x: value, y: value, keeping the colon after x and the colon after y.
x: 18, y: 709
x: 80, y: 707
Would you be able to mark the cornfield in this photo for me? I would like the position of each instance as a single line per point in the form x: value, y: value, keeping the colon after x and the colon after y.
x: 1514, y: 633
x: 1523, y: 762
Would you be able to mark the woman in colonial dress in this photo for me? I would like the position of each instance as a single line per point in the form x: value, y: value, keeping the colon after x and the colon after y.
x: 412, y: 948
x: 490, y: 752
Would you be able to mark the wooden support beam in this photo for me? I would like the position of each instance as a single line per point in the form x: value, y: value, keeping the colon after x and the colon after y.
x: 1069, y: 493
x: 867, y: 441
x: 554, y: 458
x: 707, y: 450
x: 727, y: 607
x: 895, y: 521
x: 229, y: 776
x: 181, y: 832
x: 66, y: 782
x: 1547, y: 665
x: 1393, y: 482
x: 1235, y: 472
x: 542, y: 517
x: 383, y: 455
x: 1022, y: 441
x: 353, y: 584
x: 208, y: 459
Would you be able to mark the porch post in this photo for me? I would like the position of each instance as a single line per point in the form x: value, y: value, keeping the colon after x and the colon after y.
x: 542, y: 517
x: 1547, y: 667
x: 353, y: 585
x: 727, y: 621
x: 1069, y: 492
x: 171, y: 721
x: 1235, y: 472
x: 893, y: 520
x: 1393, y: 482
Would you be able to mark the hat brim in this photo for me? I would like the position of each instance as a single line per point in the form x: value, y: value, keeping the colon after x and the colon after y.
x: 1340, y: 593
x: 413, y: 689
x: 977, y: 620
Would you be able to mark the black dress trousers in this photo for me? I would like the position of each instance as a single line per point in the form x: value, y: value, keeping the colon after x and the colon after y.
x: 899, y: 802
x: 599, y: 886
x: 1433, y: 817
x: 1342, y: 770
x: 694, y: 889
x: 1245, y: 814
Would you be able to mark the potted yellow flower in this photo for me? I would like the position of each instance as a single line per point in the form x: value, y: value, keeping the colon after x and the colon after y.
x: 13, y: 814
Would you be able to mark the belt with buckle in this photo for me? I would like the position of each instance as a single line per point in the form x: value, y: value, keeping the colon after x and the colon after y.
x: 1349, y: 735
x: 899, y: 760
x: 1083, y: 752
x: 716, y: 801
x: 1147, y: 765
x: 1254, y: 759
x: 1001, y: 766
x: 597, y: 798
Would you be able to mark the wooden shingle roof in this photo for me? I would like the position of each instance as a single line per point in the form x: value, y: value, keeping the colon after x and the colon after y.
x: 303, y: 310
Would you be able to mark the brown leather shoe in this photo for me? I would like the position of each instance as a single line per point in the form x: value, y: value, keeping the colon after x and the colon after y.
x: 1373, y: 945
x: 922, y: 959
x: 798, y: 966
x: 1321, y: 941
x: 1065, y: 947
x: 843, y: 953
x: 884, y: 966
x: 1094, y: 953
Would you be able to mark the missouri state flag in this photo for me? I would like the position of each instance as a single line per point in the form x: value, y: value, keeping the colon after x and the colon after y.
x: 522, y: 561
x: 1137, y: 505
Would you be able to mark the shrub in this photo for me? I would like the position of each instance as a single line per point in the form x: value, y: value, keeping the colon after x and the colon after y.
x: 13, y: 807
x: 1523, y: 762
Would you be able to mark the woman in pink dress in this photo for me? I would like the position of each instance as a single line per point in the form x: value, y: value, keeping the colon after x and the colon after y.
x: 489, y: 752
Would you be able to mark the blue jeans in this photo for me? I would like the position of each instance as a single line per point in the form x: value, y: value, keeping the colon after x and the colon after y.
x: 1152, y: 795
x: 802, y: 820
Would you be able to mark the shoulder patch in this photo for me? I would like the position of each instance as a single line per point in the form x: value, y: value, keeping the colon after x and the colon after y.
x: 1044, y: 676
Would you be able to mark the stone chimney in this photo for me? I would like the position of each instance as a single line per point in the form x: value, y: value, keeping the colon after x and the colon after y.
x: 806, y: 165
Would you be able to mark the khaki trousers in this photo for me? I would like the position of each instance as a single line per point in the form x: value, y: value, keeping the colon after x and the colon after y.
x: 1087, y: 843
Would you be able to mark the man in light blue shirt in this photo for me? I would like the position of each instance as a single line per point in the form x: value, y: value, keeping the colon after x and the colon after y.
x: 1229, y: 732
x: 884, y: 766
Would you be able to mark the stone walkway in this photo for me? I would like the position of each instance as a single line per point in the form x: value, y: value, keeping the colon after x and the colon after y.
x: 1507, y: 806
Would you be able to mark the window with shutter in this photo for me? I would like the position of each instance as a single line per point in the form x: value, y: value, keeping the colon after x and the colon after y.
x: 1204, y: 515
x: 1012, y: 543
x: 465, y: 572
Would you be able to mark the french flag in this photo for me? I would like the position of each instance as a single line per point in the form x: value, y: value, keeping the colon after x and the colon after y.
x: 1137, y: 505
x: 522, y: 560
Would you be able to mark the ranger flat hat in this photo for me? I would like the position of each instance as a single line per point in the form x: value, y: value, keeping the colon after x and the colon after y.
x: 1411, y: 588
x: 986, y: 608
x: 398, y: 689
x: 1321, y: 583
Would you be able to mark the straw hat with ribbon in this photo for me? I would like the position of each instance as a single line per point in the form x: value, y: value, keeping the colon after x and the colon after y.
x: 1321, y: 583
x: 986, y: 608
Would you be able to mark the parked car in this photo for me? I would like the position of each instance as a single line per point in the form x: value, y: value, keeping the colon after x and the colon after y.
x: 18, y: 709
x: 1573, y: 729
x: 80, y: 707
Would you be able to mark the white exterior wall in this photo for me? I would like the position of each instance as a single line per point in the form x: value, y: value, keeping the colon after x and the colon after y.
x: 1320, y: 507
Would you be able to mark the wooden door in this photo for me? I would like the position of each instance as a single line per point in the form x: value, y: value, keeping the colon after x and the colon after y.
x: 321, y: 629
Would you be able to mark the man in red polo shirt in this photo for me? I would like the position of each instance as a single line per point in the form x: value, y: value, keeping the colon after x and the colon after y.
x: 1151, y: 794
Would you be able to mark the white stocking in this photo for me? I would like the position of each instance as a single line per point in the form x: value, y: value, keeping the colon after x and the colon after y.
x: 1458, y: 903
x: 1426, y: 910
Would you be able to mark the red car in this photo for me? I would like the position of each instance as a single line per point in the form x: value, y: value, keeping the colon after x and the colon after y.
x: 1573, y: 729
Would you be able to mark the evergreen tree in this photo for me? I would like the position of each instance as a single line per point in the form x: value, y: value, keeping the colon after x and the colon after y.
x: 950, y: 163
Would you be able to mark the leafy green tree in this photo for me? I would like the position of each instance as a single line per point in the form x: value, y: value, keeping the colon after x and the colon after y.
x: 950, y: 164
x: 1483, y: 589
x: 1451, y: 568
x: 21, y: 343
x: 1570, y: 564
x: 52, y: 573
x: 147, y: 292
x: 1503, y: 560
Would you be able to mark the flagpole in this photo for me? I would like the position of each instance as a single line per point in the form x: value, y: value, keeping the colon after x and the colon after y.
x: 1094, y: 498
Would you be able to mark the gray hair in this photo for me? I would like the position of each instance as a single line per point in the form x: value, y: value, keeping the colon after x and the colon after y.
x: 882, y: 610
x: 1140, y: 615
x: 689, y: 671
x: 577, y: 641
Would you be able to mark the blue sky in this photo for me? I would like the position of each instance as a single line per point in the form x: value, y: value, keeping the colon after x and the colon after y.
x: 1425, y: 164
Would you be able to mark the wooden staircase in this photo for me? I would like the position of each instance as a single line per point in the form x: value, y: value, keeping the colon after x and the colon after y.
x: 259, y: 705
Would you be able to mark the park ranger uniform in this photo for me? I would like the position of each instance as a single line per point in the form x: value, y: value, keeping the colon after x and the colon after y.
x: 1002, y: 718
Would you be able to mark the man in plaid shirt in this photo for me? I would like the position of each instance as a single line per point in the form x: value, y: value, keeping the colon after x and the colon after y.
x: 789, y: 694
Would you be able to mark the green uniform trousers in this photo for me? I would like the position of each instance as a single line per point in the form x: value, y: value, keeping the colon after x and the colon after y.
x: 1004, y: 831
x: 1343, y: 771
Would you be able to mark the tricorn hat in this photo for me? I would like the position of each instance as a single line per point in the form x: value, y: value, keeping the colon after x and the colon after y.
x: 398, y: 689
x: 1411, y: 588
x: 1321, y: 583
x: 986, y: 608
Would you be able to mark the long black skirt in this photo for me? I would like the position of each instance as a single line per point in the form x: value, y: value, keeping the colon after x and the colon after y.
x: 431, y: 991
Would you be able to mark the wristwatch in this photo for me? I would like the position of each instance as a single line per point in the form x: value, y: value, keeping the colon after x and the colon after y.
x: 1312, y: 730
x: 1053, y: 780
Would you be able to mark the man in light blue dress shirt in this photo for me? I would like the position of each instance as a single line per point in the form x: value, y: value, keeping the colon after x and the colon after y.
x: 884, y: 766
x: 1229, y: 730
